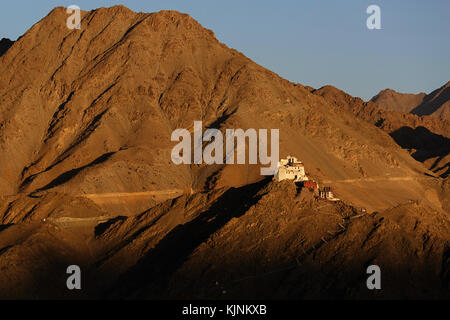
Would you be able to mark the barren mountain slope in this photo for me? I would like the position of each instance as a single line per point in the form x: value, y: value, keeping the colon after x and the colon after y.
x: 426, y: 138
x: 276, y: 243
x: 86, y: 118
x: 95, y: 115
x: 395, y: 101
x: 263, y: 240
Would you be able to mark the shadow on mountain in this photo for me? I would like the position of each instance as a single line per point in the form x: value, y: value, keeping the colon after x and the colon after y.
x: 5, y: 44
x: 432, y: 102
x: 102, y: 227
x: 48, y: 281
x: 427, y: 145
x: 5, y: 226
x: 66, y: 176
x: 218, y: 123
x: 155, y: 269
x: 309, y: 279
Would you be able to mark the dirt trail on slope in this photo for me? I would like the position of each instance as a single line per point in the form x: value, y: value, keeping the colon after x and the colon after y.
x: 131, y: 203
x: 66, y: 222
x: 377, y: 179
x: 366, y: 192
x: 97, y: 196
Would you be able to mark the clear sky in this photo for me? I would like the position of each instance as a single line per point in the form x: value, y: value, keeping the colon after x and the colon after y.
x: 314, y: 42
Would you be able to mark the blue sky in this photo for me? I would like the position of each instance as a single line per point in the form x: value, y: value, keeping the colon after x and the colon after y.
x: 314, y: 42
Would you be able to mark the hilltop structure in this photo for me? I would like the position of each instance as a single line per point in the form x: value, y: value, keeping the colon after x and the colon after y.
x: 291, y: 169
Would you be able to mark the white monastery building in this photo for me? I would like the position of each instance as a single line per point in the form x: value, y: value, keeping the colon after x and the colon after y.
x: 291, y: 169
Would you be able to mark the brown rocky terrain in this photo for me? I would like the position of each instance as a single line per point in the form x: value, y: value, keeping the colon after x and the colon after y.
x: 435, y: 104
x: 426, y: 138
x: 395, y: 101
x: 86, y: 118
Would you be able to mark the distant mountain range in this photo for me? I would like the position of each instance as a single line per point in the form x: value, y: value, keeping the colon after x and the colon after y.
x: 435, y: 104
x: 425, y: 137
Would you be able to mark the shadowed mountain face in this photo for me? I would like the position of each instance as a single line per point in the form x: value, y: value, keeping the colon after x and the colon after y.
x: 436, y: 104
x: 86, y: 118
x: 419, y: 138
x: 425, y: 136
x: 264, y: 248
x: 425, y: 145
x: 5, y: 44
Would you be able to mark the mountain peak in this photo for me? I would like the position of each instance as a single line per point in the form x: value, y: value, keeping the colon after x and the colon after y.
x: 389, y: 99
x: 105, y: 15
x: 388, y: 91
x: 434, y: 104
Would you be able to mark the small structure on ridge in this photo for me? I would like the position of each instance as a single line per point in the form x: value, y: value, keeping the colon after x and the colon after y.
x: 327, y: 193
x: 291, y: 169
